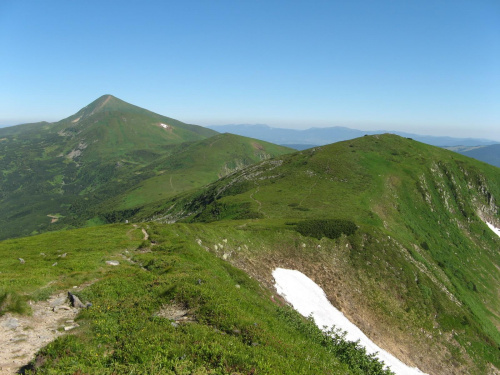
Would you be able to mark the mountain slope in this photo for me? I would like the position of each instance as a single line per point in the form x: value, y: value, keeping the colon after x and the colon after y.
x: 122, y: 128
x: 323, y: 136
x: 166, y: 306
x: 99, y: 164
x: 419, y: 274
x: 46, y: 166
x: 192, y: 165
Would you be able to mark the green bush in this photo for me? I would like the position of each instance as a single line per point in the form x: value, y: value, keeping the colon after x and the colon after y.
x: 331, y: 228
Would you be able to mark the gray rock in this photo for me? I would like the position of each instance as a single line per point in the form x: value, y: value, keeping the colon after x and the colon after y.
x: 57, y: 302
x: 61, y: 307
x: 113, y: 262
x: 21, y: 260
x: 11, y: 323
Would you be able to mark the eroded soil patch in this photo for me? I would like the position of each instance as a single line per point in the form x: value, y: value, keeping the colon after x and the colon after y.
x: 22, y: 336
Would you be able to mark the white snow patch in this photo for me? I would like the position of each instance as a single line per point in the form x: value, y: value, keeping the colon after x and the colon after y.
x: 309, y: 299
x: 165, y: 126
x: 493, y: 228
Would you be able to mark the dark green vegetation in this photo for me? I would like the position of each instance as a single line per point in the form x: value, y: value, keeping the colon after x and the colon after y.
x: 97, y: 165
x: 231, y: 325
x: 423, y: 258
x: 332, y: 228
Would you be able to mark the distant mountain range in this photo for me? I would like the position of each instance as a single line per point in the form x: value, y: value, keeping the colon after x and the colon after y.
x: 489, y: 154
x: 301, y: 139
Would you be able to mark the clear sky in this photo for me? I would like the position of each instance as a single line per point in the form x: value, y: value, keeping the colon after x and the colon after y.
x: 424, y: 66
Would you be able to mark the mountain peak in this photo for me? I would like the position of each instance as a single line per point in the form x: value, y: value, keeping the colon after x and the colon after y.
x: 105, y: 99
x: 106, y: 103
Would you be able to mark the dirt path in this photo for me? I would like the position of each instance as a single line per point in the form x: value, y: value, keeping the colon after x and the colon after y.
x: 22, y: 336
x: 311, y: 188
x: 146, y: 235
x: 257, y: 201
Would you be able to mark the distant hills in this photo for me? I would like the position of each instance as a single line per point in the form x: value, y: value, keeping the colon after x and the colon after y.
x: 311, y: 137
x: 489, y: 154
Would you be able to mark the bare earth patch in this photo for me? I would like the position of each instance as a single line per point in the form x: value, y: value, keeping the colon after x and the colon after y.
x: 177, y: 313
x: 53, y: 218
x: 22, y: 336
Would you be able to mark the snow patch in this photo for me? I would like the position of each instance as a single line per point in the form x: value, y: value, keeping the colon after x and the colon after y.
x: 493, y: 228
x: 165, y: 126
x: 309, y: 299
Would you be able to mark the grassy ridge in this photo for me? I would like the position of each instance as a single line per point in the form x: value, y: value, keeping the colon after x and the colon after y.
x: 194, y: 164
x: 424, y: 260
x: 232, y: 325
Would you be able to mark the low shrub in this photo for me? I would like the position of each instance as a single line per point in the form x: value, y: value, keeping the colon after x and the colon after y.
x: 331, y: 228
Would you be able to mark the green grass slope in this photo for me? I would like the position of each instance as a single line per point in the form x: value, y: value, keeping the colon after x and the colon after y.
x: 169, y: 307
x: 420, y: 274
x: 192, y: 165
x: 46, y: 167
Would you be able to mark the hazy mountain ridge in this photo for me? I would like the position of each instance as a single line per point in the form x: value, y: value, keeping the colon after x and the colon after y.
x: 489, y: 154
x: 323, y: 136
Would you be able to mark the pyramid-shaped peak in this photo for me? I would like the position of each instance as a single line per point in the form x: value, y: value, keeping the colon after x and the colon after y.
x: 106, y: 103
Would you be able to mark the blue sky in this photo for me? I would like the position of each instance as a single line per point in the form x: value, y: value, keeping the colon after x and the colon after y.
x: 422, y: 66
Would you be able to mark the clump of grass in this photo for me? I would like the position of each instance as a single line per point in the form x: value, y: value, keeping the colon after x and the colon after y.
x: 12, y: 302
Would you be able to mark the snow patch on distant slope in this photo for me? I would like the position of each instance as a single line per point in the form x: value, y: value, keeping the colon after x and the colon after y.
x: 308, y: 298
x: 493, y: 228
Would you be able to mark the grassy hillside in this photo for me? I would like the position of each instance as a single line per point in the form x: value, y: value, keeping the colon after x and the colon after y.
x: 420, y: 273
x: 192, y: 165
x: 169, y: 307
x: 59, y: 175
x: 46, y: 166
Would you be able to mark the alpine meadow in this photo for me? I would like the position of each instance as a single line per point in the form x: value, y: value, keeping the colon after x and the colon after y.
x: 166, y: 236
